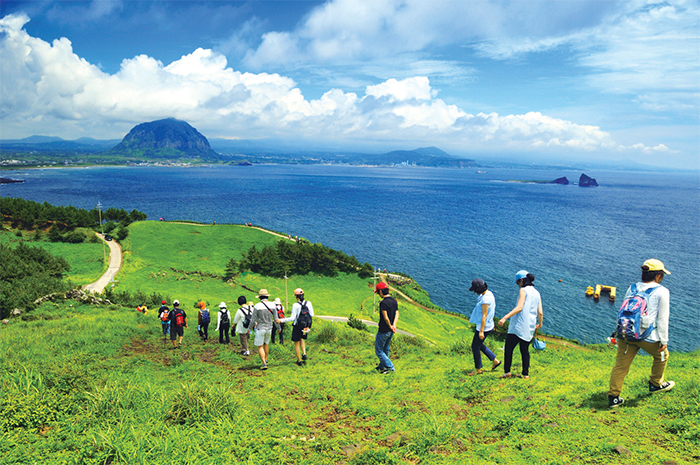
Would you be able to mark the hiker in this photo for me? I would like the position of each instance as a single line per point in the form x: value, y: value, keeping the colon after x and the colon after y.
x: 482, y: 316
x: 164, y: 316
x: 388, y: 319
x: 279, y: 327
x: 524, y: 323
x: 223, y: 323
x: 242, y: 322
x: 142, y: 309
x: 203, y: 320
x: 302, y: 319
x: 652, y: 336
x: 261, y: 321
x: 178, y: 323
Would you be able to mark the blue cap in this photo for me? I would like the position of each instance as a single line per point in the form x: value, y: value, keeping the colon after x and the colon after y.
x: 520, y: 275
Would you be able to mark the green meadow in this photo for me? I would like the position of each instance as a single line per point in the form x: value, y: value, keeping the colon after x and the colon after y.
x: 84, y: 384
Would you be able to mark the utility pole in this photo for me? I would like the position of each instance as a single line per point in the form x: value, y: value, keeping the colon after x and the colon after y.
x: 99, y: 210
x: 286, y: 303
x: 374, y: 294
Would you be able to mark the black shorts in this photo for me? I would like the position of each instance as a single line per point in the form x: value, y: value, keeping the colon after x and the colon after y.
x: 176, y: 331
x: 297, y: 335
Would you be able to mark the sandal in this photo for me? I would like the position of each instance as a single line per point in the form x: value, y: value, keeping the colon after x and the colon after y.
x: 525, y: 376
x: 506, y: 376
x: 475, y: 372
x: 496, y: 364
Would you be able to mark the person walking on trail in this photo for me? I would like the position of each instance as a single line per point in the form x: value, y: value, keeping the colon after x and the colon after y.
x: 262, y: 321
x: 302, y: 319
x: 524, y: 323
x: 242, y: 322
x: 178, y: 323
x: 388, y: 319
x: 652, y: 336
x: 279, y: 327
x: 482, y: 316
x: 164, y: 316
x: 223, y: 323
x: 203, y: 321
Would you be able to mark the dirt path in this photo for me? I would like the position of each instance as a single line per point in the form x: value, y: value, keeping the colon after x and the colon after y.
x: 115, y: 264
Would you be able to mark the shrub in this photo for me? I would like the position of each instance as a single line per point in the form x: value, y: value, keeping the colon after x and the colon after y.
x: 357, y: 323
x: 327, y: 334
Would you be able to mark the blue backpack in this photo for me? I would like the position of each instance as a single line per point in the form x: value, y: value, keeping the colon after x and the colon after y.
x: 206, y: 318
x: 629, y: 318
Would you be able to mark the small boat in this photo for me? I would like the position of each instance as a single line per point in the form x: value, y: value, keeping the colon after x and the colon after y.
x: 612, y: 290
x: 589, y: 291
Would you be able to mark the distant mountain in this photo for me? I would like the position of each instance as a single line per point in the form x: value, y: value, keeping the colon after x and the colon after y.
x: 165, y: 139
x: 426, y: 156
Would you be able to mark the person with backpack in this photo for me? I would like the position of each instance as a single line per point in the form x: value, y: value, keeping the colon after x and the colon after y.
x: 482, y: 316
x: 302, y: 319
x: 643, y: 324
x: 262, y: 321
x: 223, y: 323
x: 388, y: 319
x: 279, y: 327
x: 242, y: 322
x: 522, y: 327
x: 178, y: 323
x: 164, y: 316
x: 203, y: 321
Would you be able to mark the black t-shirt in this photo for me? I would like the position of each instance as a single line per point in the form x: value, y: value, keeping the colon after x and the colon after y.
x: 390, y: 306
x: 173, y: 323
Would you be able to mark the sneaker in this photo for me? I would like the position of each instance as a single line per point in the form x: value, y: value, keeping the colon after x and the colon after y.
x: 304, y: 357
x: 614, y: 401
x: 385, y: 371
x: 665, y: 386
x: 299, y: 363
x: 264, y: 366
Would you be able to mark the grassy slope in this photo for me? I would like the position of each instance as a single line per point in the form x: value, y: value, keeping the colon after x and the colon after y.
x: 85, y: 260
x: 154, y: 248
x: 99, y: 386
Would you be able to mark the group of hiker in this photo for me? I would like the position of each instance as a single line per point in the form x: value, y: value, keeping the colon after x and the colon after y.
x: 264, y: 320
x: 642, y: 324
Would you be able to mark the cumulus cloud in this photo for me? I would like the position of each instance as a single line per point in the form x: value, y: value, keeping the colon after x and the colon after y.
x: 48, y: 89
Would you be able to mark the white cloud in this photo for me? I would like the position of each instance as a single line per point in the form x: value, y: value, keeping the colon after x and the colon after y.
x: 48, y: 89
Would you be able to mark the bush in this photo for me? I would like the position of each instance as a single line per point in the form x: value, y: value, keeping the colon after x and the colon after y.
x: 357, y: 323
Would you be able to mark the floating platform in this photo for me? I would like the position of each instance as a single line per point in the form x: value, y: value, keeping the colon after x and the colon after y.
x: 600, y: 289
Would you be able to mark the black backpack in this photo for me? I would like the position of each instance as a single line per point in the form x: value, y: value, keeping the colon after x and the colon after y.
x: 225, y: 317
x: 304, y: 319
x: 246, y: 321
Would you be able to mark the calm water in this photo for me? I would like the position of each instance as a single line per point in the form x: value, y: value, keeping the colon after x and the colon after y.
x: 444, y: 227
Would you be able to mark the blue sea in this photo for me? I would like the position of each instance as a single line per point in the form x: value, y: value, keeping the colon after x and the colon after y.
x: 444, y: 227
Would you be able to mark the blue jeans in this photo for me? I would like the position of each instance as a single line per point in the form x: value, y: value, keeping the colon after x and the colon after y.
x: 382, y: 343
x: 166, y: 329
x: 478, y: 347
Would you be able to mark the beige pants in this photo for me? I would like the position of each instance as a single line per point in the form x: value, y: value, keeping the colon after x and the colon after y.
x: 243, y: 337
x: 625, y: 354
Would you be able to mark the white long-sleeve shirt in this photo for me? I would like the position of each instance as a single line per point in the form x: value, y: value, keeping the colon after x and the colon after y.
x: 296, y: 311
x: 658, y: 311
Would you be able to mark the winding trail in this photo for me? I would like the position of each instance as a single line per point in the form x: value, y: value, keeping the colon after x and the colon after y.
x: 115, y: 264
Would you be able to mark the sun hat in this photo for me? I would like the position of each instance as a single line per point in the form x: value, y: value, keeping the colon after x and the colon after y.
x: 520, y: 275
x: 298, y: 291
x: 222, y: 305
x: 477, y: 285
x: 278, y: 301
x: 263, y: 293
x: 379, y: 287
x: 655, y: 265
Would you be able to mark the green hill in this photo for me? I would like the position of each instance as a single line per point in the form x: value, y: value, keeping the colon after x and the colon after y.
x: 96, y: 384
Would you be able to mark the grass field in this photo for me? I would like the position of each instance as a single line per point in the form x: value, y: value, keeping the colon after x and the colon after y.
x: 84, y: 385
x: 99, y: 385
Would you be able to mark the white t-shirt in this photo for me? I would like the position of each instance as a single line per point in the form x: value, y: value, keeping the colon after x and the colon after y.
x: 487, y: 298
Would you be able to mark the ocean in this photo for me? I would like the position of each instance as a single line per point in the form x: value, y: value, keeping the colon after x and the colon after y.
x: 444, y: 227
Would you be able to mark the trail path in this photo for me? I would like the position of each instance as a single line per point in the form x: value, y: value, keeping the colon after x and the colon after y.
x: 115, y: 264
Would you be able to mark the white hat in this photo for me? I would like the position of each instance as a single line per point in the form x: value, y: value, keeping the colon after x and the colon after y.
x: 222, y: 305
x: 176, y: 302
x: 278, y: 301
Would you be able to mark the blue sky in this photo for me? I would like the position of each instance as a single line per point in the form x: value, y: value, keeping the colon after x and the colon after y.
x: 559, y: 80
